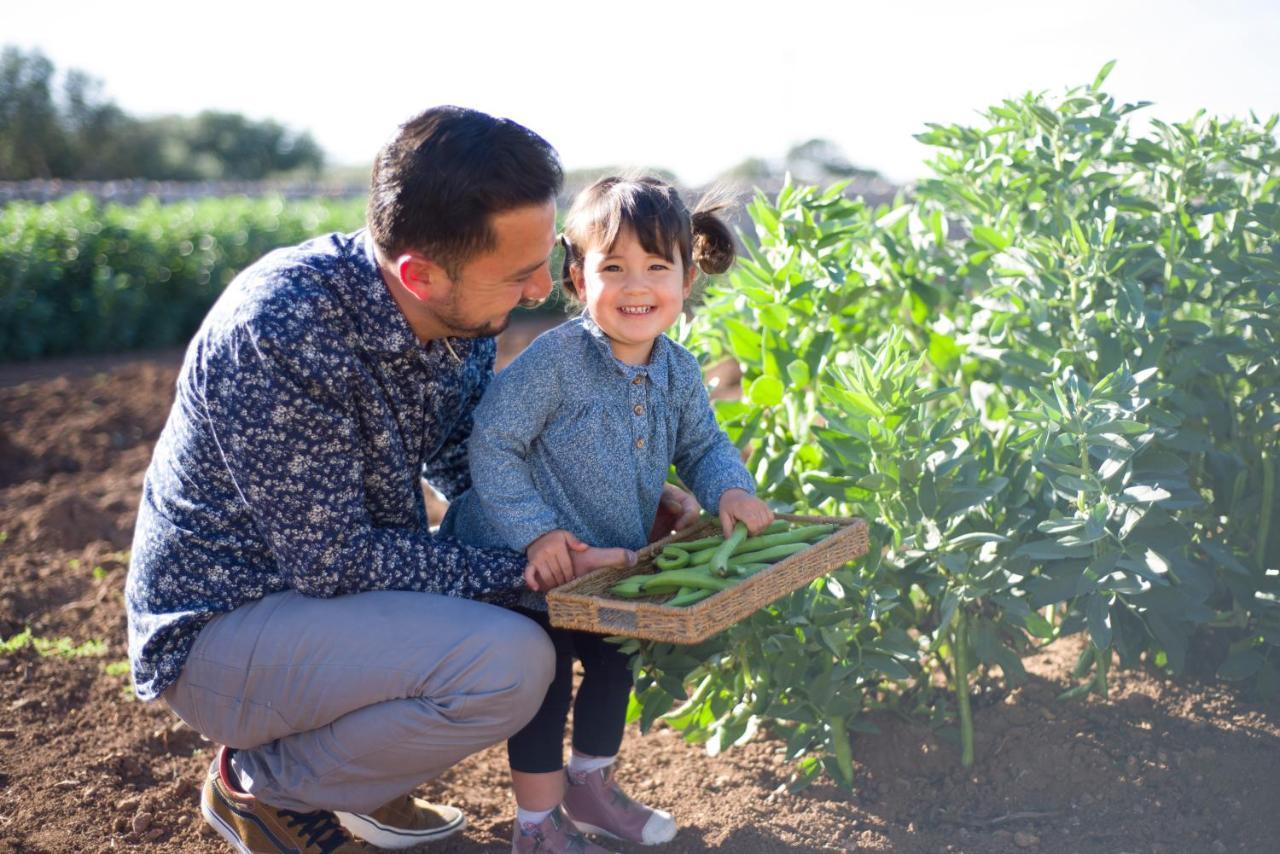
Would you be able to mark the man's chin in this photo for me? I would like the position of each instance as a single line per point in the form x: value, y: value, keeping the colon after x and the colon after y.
x: 486, y: 330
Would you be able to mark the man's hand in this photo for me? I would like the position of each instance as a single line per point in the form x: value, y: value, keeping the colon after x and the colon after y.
x: 550, y: 561
x: 591, y: 559
x: 677, y: 510
x: 737, y: 505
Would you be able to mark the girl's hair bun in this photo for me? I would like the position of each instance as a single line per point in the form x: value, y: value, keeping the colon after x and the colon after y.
x: 714, y: 249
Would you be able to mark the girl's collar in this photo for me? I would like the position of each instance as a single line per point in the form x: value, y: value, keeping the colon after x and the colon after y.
x: 602, y: 340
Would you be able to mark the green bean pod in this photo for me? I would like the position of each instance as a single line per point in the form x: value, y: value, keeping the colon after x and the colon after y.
x: 674, y: 579
x: 672, y: 557
x: 720, y: 557
x: 688, y: 596
x: 698, y: 545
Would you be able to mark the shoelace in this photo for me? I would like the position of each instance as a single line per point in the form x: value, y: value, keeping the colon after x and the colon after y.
x: 319, y: 828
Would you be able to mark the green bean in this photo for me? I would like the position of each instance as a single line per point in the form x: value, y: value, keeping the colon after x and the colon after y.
x: 720, y: 557
x: 688, y: 596
x: 672, y: 557
x: 711, y: 542
x: 773, y: 552
x: 674, y: 579
x: 805, y: 534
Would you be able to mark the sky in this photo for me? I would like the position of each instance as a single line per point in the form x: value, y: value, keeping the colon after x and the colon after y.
x: 694, y: 87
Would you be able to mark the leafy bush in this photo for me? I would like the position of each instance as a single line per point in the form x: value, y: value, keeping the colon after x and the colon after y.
x: 1051, y: 381
x: 77, y: 276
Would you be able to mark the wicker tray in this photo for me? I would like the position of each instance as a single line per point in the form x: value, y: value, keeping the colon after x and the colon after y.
x: 586, y: 604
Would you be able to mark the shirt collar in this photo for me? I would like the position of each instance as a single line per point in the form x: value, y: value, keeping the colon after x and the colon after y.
x: 383, y: 326
x: 657, y: 357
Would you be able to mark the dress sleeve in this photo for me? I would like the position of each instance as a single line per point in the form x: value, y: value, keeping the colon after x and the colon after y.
x: 516, y: 408
x: 705, y: 459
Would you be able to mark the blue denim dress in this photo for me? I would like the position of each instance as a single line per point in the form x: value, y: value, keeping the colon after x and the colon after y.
x: 567, y: 436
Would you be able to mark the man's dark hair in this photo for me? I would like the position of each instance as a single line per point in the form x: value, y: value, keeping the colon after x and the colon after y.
x: 446, y: 172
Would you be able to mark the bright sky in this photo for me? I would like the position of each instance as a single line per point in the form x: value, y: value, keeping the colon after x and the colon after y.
x: 692, y: 86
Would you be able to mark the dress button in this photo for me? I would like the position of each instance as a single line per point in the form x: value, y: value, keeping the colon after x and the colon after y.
x: 638, y: 409
x: 640, y: 442
x: 639, y: 380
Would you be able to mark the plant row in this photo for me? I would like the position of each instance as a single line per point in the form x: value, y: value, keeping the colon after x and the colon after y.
x: 79, y: 276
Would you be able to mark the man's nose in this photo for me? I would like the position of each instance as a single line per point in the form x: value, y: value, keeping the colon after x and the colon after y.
x: 539, y: 286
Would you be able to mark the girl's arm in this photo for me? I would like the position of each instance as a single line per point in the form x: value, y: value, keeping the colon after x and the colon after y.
x: 705, y: 459
x: 516, y: 408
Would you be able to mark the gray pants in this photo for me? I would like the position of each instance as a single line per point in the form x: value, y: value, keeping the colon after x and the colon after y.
x: 347, y: 703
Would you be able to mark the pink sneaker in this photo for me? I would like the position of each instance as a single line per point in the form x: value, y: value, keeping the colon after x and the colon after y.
x: 555, y: 835
x: 597, y: 804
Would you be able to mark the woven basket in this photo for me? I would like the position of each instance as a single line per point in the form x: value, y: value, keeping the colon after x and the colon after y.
x: 585, y: 603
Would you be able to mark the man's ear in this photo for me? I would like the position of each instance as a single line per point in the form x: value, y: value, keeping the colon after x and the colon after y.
x: 420, y: 276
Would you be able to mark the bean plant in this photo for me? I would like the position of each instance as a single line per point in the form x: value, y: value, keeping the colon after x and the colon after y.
x: 1050, y: 381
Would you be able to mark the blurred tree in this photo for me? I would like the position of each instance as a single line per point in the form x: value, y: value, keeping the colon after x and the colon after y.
x: 32, y: 144
x: 79, y: 133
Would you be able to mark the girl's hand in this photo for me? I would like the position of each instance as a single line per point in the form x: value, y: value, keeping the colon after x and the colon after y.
x: 550, y: 561
x: 677, y: 510
x: 737, y: 505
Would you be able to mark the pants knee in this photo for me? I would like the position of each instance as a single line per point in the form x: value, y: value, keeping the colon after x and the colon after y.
x: 531, y: 662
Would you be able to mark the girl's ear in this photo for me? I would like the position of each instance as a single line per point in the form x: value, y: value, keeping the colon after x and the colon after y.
x: 575, y: 277
x: 689, y: 275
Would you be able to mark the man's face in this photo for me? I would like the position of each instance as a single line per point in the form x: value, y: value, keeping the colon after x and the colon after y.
x: 479, y: 301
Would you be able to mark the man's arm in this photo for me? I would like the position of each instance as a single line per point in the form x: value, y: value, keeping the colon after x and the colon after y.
x: 292, y: 447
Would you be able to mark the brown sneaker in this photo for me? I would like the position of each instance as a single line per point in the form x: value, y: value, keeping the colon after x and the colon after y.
x: 597, y: 804
x: 404, y: 823
x: 555, y: 835
x: 253, y: 827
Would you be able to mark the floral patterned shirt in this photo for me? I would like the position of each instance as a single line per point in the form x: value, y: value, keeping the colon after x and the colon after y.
x: 306, y: 414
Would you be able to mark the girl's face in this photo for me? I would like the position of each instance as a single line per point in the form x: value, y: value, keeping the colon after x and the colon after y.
x: 634, y: 296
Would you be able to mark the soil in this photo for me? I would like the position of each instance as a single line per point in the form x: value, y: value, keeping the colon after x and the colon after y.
x: 1161, y: 766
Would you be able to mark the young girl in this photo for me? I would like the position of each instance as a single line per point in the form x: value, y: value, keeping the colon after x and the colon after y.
x: 572, y: 445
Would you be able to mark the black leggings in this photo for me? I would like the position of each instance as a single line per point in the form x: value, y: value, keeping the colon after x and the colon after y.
x: 599, y: 713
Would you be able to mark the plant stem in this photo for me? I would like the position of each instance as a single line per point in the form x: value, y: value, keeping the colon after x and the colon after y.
x: 1102, y: 657
x: 960, y: 639
x: 1268, y: 499
x: 840, y: 746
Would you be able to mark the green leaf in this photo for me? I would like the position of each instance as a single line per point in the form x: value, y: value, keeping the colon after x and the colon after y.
x: 744, y: 340
x: 1102, y: 75
x: 1098, y: 620
x: 1038, y: 626
x: 1241, y: 665
x: 990, y: 237
x: 766, y: 391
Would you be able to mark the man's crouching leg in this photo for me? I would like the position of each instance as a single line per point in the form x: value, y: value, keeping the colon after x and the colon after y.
x: 345, y: 705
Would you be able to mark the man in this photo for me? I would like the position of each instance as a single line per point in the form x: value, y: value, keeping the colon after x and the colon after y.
x: 286, y: 597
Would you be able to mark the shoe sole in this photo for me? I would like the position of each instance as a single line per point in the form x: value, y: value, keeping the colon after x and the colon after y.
x: 222, y: 828
x: 385, y: 836
x: 600, y: 831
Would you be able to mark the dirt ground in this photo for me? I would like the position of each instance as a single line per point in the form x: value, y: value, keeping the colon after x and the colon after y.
x: 1161, y: 767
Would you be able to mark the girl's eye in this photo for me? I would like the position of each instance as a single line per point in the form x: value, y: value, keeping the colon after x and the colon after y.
x: 657, y: 266
x: 611, y: 268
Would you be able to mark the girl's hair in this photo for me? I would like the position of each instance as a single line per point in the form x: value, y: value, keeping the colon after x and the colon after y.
x: 654, y: 211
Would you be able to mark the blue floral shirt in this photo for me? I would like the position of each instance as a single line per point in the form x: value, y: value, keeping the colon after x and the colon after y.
x: 568, y: 436
x: 306, y: 413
